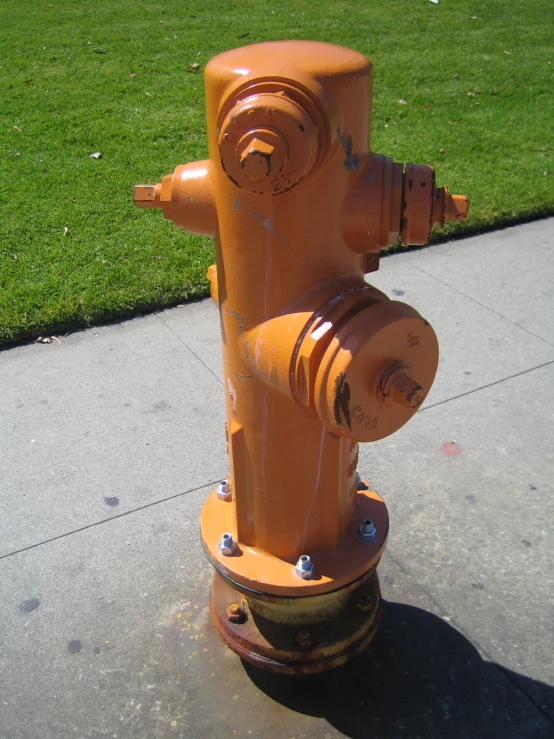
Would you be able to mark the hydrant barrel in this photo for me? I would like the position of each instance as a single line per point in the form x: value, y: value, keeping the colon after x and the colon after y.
x: 315, y: 360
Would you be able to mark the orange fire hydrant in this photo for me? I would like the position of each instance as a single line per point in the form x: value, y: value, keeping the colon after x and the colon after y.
x: 315, y: 359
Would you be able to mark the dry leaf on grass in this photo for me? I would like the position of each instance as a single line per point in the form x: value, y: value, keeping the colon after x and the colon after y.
x: 47, y: 340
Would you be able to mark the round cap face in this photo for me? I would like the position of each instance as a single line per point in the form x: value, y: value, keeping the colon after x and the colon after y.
x: 267, y: 143
x: 376, y: 372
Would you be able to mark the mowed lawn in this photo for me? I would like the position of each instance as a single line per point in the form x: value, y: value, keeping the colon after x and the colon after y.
x: 124, y: 78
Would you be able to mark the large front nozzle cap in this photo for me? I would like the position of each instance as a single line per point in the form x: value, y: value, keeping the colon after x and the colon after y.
x: 376, y: 371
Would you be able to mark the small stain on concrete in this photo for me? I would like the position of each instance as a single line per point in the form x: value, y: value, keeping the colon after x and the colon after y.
x: 161, y: 406
x: 97, y: 650
x: 451, y: 448
x: 74, y: 646
x: 477, y: 585
x: 111, y: 501
x: 398, y: 291
x: 532, y: 487
x: 29, y: 605
x: 526, y: 543
x: 471, y: 498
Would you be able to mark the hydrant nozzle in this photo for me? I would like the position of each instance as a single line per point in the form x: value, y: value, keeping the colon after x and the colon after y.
x: 315, y: 359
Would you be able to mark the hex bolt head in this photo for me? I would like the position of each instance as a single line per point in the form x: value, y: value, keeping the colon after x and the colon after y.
x: 399, y: 389
x: 360, y: 484
x: 304, y: 567
x: 256, y: 160
x: 364, y: 603
x: 223, y: 490
x: 368, y: 532
x: 304, y: 639
x: 236, y: 614
x: 227, y: 545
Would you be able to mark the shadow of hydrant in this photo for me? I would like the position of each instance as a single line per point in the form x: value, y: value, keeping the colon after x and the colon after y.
x: 420, y: 678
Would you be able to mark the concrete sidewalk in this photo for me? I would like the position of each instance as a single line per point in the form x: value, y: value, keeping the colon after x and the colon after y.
x: 111, y: 440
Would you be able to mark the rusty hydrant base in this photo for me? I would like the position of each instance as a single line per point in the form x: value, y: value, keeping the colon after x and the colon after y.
x: 296, y: 649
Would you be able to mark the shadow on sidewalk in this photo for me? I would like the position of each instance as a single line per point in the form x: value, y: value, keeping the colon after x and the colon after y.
x: 419, y: 678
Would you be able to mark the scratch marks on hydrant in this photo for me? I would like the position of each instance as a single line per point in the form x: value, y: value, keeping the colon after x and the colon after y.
x: 351, y: 161
x: 266, y: 223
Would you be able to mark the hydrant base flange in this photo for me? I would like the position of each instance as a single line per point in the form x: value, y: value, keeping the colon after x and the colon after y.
x: 335, y: 569
x: 296, y: 649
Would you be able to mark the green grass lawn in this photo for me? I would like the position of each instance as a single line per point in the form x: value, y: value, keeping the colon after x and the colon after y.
x: 120, y: 77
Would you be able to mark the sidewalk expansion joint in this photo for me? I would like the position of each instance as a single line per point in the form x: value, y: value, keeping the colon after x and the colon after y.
x: 484, y: 387
x: 486, y: 307
x: 209, y: 484
x: 184, y: 343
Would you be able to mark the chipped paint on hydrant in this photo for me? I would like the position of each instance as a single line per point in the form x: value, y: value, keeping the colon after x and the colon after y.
x: 315, y: 359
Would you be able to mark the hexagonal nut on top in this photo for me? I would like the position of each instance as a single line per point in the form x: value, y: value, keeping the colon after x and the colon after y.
x: 304, y: 567
x: 259, y: 158
x: 268, y: 143
x: 223, y: 490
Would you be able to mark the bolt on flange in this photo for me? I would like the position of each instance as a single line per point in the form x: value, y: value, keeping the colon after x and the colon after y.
x: 364, y: 602
x: 368, y: 532
x: 304, y: 639
x: 223, y: 490
x: 236, y: 614
x: 360, y: 484
x: 304, y: 567
x: 227, y: 545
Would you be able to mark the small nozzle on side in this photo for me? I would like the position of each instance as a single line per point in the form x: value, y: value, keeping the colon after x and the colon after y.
x: 457, y: 208
x: 147, y: 196
x: 449, y: 207
x: 425, y: 205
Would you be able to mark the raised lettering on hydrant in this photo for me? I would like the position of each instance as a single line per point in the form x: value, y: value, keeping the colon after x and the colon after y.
x: 315, y: 359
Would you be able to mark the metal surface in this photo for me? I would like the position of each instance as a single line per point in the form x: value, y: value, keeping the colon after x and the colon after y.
x: 298, y: 648
x: 223, y: 490
x: 315, y: 360
x: 227, y: 545
x: 304, y: 568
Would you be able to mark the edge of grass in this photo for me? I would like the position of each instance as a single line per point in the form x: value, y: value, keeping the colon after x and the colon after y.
x: 108, y: 317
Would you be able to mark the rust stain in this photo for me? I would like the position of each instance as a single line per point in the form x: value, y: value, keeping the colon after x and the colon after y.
x: 342, y: 401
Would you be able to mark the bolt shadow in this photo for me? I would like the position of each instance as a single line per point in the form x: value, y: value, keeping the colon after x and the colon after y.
x: 419, y: 678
